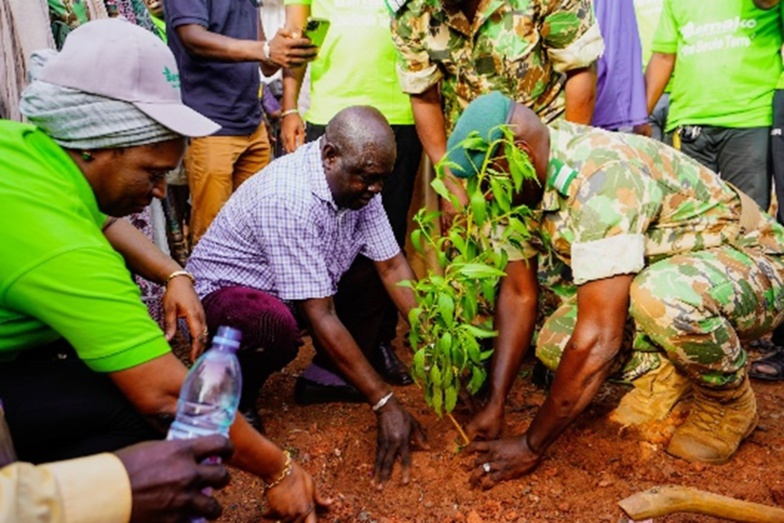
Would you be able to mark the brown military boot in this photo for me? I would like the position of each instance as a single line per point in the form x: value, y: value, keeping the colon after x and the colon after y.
x: 719, y: 420
x: 654, y: 395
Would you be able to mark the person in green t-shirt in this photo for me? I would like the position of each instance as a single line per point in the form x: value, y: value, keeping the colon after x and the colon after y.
x: 83, y: 367
x: 726, y: 62
x: 648, y: 13
x: 771, y: 367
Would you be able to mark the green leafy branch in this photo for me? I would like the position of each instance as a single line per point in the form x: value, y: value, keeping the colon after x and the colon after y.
x: 454, y: 309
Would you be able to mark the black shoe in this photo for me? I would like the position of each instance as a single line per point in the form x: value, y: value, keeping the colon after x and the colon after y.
x: 389, y: 366
x: 307, y: 392
x: 253, y: 418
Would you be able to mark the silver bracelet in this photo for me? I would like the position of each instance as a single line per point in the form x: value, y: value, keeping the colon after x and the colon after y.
x: 383, y: 401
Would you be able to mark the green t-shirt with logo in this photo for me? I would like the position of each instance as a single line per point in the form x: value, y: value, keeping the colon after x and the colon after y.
x: 59, y: 276
x: 727, y: 62
x: 356, y: 63
x: 780, y: 85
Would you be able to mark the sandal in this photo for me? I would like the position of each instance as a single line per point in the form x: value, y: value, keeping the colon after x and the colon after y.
x: 775, y: 361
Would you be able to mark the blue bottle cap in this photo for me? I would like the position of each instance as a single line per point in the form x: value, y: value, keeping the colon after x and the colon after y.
x: 228, y: 336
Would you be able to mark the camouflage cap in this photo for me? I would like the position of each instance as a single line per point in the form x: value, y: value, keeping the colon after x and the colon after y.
x: 484, y: 115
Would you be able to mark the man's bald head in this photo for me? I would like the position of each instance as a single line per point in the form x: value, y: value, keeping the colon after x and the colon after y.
x: 360, y: 131
x: 358, y: 153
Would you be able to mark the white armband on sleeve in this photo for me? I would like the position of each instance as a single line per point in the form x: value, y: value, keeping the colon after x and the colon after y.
x: 599, y: 259
x: 417, y: 82
x: 580, y: 53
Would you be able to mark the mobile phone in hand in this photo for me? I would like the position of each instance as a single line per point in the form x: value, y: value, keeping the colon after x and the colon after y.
x: 316, y: 30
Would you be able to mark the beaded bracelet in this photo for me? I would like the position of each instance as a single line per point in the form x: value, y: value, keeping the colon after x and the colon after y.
x: 284, y: 473
x: 173, y: 275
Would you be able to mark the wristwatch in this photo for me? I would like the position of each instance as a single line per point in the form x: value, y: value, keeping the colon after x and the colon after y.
x: 266, y: 52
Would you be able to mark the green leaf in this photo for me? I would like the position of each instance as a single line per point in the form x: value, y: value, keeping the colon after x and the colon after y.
x: 445, y: 343
x: 459, y: 359
x: 479, y: 207
x: 451, y: 399
x: 500, y: 195
x: 446, y: 308
x: 435, y: 376
x: 457, y: 241
x: 442, y: 259
x: 438, y: 399
x: 480, y: 333
x: 416, y: 241
x: 478, y: 377
x: 474, y: 354
x: 488, y: 290
x: 439, y: 187
x: 485, y: 354
x: 419, y: 364
x: 479, y: 270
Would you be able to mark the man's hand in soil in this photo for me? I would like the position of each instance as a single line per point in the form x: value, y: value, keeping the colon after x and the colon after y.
x: 397, y: 430
x: 501, y: 460
x: 168, y: 478
x: 295, y: 498
x: 487, y: 423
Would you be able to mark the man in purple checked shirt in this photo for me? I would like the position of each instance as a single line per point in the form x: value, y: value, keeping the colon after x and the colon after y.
x: 285, y: 239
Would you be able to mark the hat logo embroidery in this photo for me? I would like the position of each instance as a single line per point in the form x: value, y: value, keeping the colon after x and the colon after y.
x: 172, y: 78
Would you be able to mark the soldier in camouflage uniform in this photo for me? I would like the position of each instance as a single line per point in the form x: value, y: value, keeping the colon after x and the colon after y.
x: 649, y: 234
x: 538, y: 52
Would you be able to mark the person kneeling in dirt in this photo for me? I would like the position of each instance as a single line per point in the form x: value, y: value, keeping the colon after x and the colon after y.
x: 648, y: 233
x: 281, y: 246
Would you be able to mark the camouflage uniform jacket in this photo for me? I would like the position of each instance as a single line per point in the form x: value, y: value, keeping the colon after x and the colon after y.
x: 518, y: 47
x: 615, y: 203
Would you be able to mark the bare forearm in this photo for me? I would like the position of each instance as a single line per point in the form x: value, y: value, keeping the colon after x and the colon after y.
x: 344, y: 352
x: 515, y: 320
x: 602, y: 307
x: 292, y: 84
x: 766, y: 4
x: 576, y: 383
x: 430, y: 123
x: 392, y: 272
x: 657, y: 74
x: 580, y: 92
x: 253, y: 452
x: 213, y: 46
x: 141, y: 255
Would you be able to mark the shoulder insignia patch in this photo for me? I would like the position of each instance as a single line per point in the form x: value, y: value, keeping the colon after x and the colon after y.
x: 560, y: 175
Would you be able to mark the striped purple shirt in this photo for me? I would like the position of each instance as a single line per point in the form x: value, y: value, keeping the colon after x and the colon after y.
x: 283, y: 234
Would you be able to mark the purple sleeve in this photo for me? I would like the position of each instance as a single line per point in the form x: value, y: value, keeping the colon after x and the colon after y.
x: 184, y: 12
x: 269, y: 103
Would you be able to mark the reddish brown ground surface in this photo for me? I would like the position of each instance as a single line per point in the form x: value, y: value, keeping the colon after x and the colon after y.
x: 591, y: 468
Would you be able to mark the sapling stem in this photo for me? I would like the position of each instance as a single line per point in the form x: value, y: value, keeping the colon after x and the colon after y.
x: 460, y: 430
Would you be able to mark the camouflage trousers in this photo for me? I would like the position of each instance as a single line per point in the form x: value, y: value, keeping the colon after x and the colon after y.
x: 694, y: 309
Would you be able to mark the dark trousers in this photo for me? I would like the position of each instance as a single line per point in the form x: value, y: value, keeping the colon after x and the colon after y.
x: 740, y: 156
x: 396, y: 197
x: 270, y: 333
x: 658, y: 119
x: 777, y: 149
x: 60, y: 409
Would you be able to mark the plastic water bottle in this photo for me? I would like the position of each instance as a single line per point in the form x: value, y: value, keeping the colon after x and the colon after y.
x: 211, y: 392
